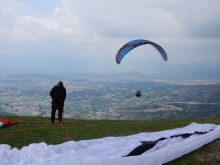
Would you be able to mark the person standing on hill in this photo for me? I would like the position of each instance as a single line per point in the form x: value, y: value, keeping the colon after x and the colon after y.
x: 58, y: 95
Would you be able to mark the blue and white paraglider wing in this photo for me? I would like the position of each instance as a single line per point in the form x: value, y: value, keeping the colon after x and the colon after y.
x: 135, y: 43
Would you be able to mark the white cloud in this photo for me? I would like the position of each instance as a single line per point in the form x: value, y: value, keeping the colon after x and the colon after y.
x: 118, y: 19
x: 100, y: 28
x: 31, y: 27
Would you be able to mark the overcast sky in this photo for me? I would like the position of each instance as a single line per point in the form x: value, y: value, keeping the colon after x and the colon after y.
x: 73, y: 35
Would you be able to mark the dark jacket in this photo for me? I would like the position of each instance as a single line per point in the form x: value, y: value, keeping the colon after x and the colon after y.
x: 58, y: 93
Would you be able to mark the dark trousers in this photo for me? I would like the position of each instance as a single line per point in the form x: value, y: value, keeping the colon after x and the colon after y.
x: 58, y: 107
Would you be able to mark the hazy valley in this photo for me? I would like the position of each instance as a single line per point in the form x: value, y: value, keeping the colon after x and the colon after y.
x: 112, y: 96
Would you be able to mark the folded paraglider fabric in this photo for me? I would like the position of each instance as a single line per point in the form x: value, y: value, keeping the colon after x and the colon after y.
x: 6, y: 122
x: 146, y: 145
x: 112, y: 150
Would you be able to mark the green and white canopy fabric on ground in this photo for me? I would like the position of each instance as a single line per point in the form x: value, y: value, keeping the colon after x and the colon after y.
x: 111, y: 150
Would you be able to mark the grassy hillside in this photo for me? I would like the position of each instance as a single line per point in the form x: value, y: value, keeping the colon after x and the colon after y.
x: 38, y: 129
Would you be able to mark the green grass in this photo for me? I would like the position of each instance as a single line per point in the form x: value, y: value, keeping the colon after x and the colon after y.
x: 38, y: 129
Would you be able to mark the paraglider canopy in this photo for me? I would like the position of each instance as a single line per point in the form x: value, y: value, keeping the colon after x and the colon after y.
x: 135, y: 43
x: 6, y: 122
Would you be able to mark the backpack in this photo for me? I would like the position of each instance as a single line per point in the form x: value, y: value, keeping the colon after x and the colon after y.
x: 58, y: 94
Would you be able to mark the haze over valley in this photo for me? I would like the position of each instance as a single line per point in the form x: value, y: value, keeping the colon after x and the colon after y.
x: 112, y: 96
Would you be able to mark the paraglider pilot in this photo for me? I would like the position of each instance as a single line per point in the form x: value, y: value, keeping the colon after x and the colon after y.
x: 58, y: 96
x: 138, y: 93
